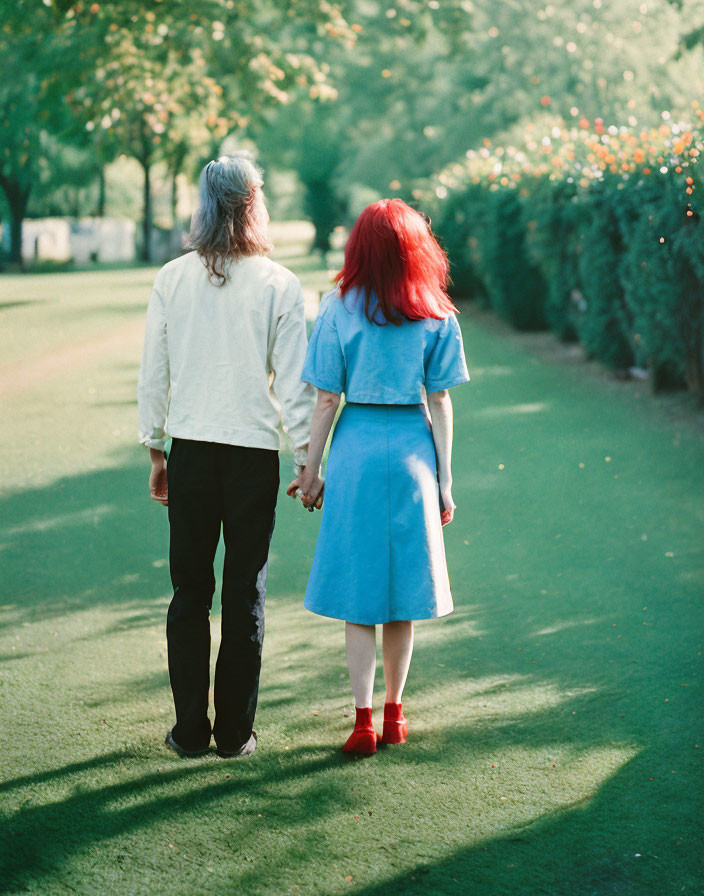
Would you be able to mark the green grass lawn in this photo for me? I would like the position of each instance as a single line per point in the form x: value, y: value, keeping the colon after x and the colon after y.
x: 556, y: 718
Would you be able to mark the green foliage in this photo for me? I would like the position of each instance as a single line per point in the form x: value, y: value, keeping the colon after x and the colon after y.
x: 661, y: 275
x: 618, y: 264
x: 604, y: 321
x: 65, y: 181
x: 517, y: 289
x: 552, y: 232
x: 461, y: 227
x: 162, y: 82
x: 316, y: 165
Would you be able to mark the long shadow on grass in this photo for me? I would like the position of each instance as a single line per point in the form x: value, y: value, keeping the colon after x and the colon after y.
x: 93, y: 539
x: 623, y: 840
x: 86, y: 540
x: 38, y: 840
x: 602, y: 679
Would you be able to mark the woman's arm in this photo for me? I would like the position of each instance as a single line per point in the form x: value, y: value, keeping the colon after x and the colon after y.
x: 440, y: 407
x: 309, y: 482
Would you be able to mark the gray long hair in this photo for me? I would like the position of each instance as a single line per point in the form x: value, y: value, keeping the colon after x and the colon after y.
x: 232, y: 218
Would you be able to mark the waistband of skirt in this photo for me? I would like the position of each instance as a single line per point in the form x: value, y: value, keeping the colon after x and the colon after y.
x: 387, y: 407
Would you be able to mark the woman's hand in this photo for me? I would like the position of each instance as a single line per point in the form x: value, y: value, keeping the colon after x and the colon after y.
x: 309, y: 487
x: 448, y: 513
x: 158, y: 484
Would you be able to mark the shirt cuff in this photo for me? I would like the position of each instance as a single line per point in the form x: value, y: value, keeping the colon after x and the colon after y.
x: 300, y: 456
x: 157, y: 444
x: 441, y: 385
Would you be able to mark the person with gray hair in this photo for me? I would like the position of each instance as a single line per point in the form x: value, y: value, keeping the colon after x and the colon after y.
x: 221, y: 367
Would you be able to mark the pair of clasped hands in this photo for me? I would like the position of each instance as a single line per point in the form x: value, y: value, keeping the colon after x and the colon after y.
x: 309, y: 487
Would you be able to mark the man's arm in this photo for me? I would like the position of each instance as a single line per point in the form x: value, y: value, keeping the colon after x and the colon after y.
x: 286, y: 356
x: 153, y: 394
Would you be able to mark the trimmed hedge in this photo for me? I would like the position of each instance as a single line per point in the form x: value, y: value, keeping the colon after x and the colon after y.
x: 617, y: 264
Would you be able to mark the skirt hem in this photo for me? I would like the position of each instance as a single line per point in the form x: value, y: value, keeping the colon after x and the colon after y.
x: 366, y: 621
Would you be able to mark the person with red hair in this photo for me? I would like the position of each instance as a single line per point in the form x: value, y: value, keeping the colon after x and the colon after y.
x: 385, y: 337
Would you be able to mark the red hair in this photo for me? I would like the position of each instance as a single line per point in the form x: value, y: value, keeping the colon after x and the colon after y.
x: 392, y: 252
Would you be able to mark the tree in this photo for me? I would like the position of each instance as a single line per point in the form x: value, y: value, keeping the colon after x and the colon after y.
x: 145, y: 81
x: 176, y: 80
x: 426, y: 81
x: 23, y: 109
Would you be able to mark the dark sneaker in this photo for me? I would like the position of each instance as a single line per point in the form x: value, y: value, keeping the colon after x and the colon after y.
x: 245, y: 750
x: 184, y: 754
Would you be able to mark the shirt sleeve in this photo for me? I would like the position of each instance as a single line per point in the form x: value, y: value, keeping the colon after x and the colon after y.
x: 446, y: 366
x: 325, y: 361
x: 154, y: 376
x: 286, y: 356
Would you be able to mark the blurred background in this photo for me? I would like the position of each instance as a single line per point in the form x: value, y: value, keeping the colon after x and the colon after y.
x: 553, y: 144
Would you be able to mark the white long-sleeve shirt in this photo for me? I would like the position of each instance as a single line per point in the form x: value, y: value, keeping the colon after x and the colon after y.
x: 217, y: 358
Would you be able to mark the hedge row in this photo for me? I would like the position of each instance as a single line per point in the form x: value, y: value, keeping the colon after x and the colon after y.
x: 615, y: 260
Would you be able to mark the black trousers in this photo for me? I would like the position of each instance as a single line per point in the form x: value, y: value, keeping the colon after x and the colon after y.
x: 214, y: 486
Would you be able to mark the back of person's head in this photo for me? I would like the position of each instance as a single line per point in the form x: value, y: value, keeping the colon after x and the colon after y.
x: 232, y: 218
x: 393, y: 253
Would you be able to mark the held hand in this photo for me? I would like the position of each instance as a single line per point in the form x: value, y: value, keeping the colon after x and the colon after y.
x: 308, y: 486
x: 446, y: 496
x: 158, y: 485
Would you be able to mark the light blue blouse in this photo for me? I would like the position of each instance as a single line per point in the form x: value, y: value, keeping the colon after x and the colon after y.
x: 386, y: 364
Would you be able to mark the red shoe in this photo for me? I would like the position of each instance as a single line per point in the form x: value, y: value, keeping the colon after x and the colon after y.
x: 395, y: 724
x: 363, y: 739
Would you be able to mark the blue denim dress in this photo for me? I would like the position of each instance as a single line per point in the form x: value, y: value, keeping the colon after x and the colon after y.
x: 380, y: 554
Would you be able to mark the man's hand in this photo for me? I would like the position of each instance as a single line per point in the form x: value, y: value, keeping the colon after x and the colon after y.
x: 308, y: 486
x: 158, y: 484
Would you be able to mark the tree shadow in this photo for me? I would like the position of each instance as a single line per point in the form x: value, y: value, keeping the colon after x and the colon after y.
x: 39, y: 840
x: 529, y: 666
x: 20, y: 303
x: 622, y: 839
x: 100, y: 541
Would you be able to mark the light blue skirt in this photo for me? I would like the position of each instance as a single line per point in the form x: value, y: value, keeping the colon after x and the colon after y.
x: 380, y: 555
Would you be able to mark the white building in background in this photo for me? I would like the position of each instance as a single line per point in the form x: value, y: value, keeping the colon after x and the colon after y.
x: 102, y: 239
x: 46, y: 239
x: 84, y: 240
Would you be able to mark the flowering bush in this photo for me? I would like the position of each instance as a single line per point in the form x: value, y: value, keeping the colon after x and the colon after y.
x: 591, y: 230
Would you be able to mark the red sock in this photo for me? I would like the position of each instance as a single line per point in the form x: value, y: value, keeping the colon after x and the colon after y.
x: 395, y: 724
x: 363, y: 739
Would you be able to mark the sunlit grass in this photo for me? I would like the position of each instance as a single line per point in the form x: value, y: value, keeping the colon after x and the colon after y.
x: 554, y: 715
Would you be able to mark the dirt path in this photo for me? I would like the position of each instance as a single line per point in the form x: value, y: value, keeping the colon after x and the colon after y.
x: 27, y: 374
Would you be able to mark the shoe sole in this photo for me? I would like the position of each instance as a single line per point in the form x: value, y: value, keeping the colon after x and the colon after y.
x: 244, y: 750
x: 180, y: 752
x: 366, y: 746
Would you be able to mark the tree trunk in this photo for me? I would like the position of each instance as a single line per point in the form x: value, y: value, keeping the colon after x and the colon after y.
x: 177, y: 161
x: 146, y: 211
x: 100, y: 210
x: 174, y: 198
x: 17, y: 197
